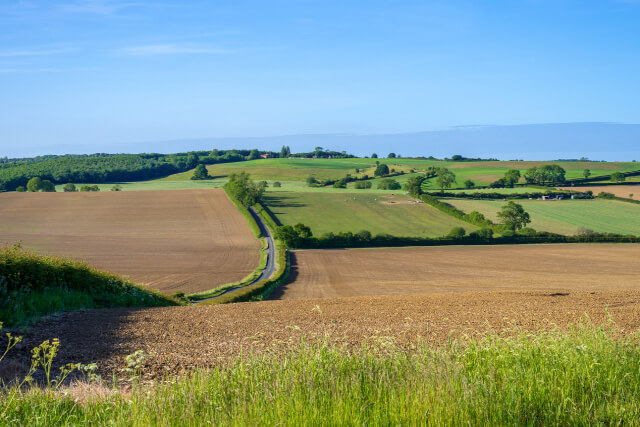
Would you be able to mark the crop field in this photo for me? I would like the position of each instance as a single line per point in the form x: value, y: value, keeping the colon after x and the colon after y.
x: 180, y: 338
x: 482, y: 173
x: 566, y: 216
x: 426, y: 270
x: 190, y: 241
x: 394, y: 214
x: 626, y: 191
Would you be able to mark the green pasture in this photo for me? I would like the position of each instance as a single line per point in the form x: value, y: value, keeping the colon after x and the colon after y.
x: 154, y: 185
x: 390, y: 213
x: 482, y: 173
x: 565, y: 216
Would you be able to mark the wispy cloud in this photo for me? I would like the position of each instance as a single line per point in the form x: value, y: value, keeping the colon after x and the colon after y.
x: 170, y: 49
x: 40, y: 52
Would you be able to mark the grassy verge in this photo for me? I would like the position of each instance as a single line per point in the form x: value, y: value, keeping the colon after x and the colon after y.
x: 586, y: 376
x: 32, y: 286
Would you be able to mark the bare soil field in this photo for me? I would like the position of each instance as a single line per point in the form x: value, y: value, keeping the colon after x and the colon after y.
x: 395, y: 271
x: 190, y: 240
x: 180, y: 338
x: 617, y: 190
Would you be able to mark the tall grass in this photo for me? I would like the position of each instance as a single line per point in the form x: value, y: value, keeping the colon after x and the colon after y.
x: 32, y: 285
x: 582, y: 377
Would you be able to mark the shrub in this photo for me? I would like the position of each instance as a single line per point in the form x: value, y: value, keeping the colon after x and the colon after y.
x: 116, y: 187
x: 483, y: 233
x: 527, y: 231
x: 277, y: 184
x: 389, y: 184
x: 605, y: 195
x: 457, y: 233
x: 69, y: 188
x: 21, y: 189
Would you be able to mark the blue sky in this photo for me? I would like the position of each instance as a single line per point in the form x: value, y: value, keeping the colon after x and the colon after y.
x: 121, y: 71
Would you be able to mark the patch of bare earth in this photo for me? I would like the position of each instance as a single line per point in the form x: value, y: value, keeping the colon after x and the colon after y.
x: 617, y: 190
x: 187, y: 240
x: 182, y: 338
x: 404, y: 271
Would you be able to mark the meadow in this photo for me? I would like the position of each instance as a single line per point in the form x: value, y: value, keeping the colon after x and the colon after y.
x: 391, y: 213
x: 481, y: 172
x: 566, y: 216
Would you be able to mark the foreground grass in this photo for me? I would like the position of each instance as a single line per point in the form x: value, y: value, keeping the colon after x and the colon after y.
x: 581, y: 377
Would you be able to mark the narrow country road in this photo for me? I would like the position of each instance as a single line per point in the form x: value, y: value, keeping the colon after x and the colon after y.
x: 271, y: 258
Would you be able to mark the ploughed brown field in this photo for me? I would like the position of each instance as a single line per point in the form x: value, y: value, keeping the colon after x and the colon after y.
x: 617, y: 190
x: 187, y: 240
x: 405, y: 271
x: 180, y: 338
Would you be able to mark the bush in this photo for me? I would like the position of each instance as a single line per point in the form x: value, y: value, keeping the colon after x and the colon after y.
x: 116, y: 187
x: 389, y: 184
x: 483, y: 233
x: 90, y: 188
x: 277, y: 184
x: 457, y: 233
x: 21, y: 189
x: 69, y: 188
x: 362, y: 185
x: 605, y: 195
x: 527, y: 231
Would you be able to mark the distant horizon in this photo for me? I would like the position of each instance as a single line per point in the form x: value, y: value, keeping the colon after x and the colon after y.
x: 556, y: 139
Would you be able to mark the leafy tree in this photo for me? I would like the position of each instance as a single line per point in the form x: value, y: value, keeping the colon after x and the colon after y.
x: 21, y: 189
x: 457, y: 233
x: 391, y: 156
x: 200, y: 173
x: 244, y: 189
x: 617, y: 177
x: 514, y: 216
x: 457, y: 158
x: 414, y: 185
x: 253, y: 155
x: 357, y: 170
x: 469, y: 184
x: 381, y: 170
x: 445, y: 179
x: 511, y: 177
x: 277, y: 184
x: 48, y: 186
x: 389, y: 184
x: 34, y: 184
x: 192, y: 160
x: 69, y: 188
x: 303, y: 230
x: 116, y: 187
x: 90, y: 188
x: 545, y: 175
x: 586, y: 173
x: 311, y: 181
x: 374, y: 156
x: 285, y: 151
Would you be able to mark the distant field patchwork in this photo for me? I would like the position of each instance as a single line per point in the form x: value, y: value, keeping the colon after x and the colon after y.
x: 566, y: 216
x: 395, y: 214
x: 482, y: 173
x: 190, y: 240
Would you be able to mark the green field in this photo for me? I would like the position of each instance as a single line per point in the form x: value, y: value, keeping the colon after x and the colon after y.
x: 155, y: 185
x: 393, y: 214
x: 565, y: 216
x: 482, y: 173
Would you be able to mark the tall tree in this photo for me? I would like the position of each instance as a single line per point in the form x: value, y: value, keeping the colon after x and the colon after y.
x: 34, y: 184
x: 514, y: 216
x: 511, y: 177
x: 445, y: 179
x: 586, y: 173
x: 381, y: 170
x: 200, y: 172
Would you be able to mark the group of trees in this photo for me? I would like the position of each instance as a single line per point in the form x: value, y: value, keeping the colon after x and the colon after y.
x: 36, y: 184
x: 242, y: 188
x: 545, y: 175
